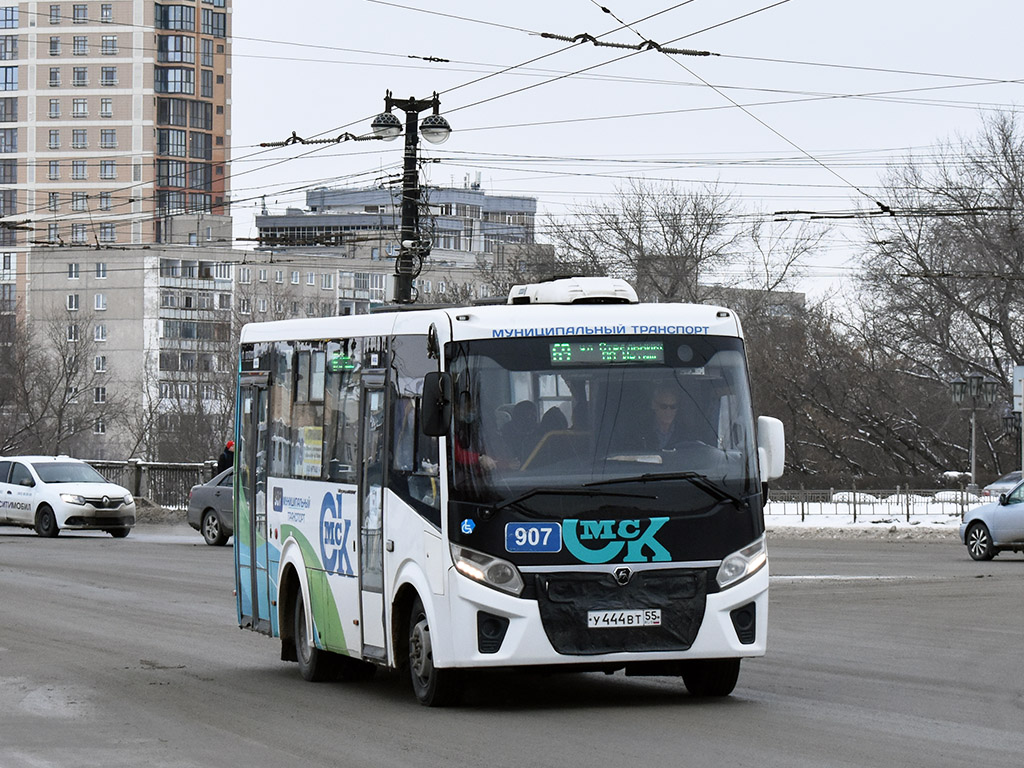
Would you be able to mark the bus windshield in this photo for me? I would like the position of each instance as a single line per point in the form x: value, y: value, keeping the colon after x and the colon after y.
x: 601, y: 412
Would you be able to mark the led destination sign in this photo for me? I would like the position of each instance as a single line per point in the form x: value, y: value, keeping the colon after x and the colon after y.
x: 603, y: 352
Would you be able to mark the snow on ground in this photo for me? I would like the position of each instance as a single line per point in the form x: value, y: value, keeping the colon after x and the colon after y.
x: 927, y: 519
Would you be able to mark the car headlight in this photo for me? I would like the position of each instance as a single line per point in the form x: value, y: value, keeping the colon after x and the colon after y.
x: 129, y: 499
x: 742, y: 563
x: 492, y: 571
x: 72, y: 498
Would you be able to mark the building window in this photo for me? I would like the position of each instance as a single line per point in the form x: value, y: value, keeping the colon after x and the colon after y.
x: 79, y: 138
x: 53, y: 201
x: 55, y: 16
x: 108, y: 138
x: 176, y: 49
x: 176, y: 17
x: 78, y: 234
x: 99, y: 395
x: 78, y: 170
x: 263, y: 275
x: 54, y: 108
x: 310, y: 278
x: 108, y: 76
x: 245, y: 275
x: 54, y: 77
x: 100, y: 364
x: 8, y: 140
x: 78, y: 201
x: 99, y: 332
x: 8, y: 47
x: 53, y: 232
x: 171, y: 142
x: 9, y: 109
x: 206, y: 83
x: 108, y: 169
x: 174, y: 80
x: 79, y: 76
x: 108, y: 45
x: 79, y: 13
x: 279, y: 276
x: 99, y: 428
x: 101, y: 299
x: 80, y: 45
x: 105, y: 205
x: 73, y: 271
x: 8, y: 78
x: 54, y: 141
x: 106, y: 12
x: 79, y: 107
x: 101, y: 268
x: 54, y: 170
x: 200, y: 146
x: 55, y: 46
x: 72, y: 332
x: 108, y: 234
x: 295, y: 277
x: 327, y: 281
x: 206, y: 53
x: 9, y: 17
x: 73, y: 302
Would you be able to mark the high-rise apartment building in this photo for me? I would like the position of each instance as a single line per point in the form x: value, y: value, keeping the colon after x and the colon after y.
x: 114, y: 122
x: 115, y: 132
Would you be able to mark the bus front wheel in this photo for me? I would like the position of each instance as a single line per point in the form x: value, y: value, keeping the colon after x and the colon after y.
x: 315, y: 665
x: 433, y: 687
x: 708, y: 678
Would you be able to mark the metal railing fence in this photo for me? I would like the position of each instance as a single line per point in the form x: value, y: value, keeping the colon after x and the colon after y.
x: 903, y: 503
x: 163, y: 483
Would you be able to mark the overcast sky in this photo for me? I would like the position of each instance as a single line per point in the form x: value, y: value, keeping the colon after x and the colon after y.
x: 852, y: 85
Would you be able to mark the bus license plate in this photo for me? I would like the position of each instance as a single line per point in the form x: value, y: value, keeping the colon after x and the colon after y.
x: 644, y: 617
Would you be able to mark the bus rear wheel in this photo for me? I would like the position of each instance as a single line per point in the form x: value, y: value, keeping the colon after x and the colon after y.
x: 315, y: 665
x: 711, y: 678
x: 433, y: 687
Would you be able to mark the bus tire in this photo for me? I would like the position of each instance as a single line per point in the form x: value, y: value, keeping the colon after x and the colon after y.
x: 315, y: 665
x: 433, y: 687
x: 711, y: 678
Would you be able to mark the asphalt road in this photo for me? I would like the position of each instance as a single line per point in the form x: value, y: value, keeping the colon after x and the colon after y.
x: 882, y: 653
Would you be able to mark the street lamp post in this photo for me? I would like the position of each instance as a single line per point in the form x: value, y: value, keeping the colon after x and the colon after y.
x: 978, y: 387
x: 435, y: 129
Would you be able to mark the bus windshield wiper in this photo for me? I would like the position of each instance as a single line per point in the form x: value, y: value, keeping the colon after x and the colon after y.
x: 584, y: 491
x: 701, y: 481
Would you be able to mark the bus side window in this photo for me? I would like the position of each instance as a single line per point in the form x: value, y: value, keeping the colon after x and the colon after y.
x: 341, y: 416
x: 413, y: 474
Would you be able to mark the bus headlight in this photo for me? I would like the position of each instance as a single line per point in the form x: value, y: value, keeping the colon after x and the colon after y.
x: 492, y: 571
x: 742, y: 563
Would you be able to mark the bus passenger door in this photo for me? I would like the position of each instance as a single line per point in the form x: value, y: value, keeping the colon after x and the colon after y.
x: 252, y: 577
x: 371, y: 508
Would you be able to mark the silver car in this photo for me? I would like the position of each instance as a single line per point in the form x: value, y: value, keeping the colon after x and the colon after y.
x: 1004, y: 484
x: 209, y: 508
x: 995, y: 527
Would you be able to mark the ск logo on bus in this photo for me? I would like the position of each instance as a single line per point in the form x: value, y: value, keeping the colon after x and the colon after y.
x: 610, y: 537
x: 334, y: 532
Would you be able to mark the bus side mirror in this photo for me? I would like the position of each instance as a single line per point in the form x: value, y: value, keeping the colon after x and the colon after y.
x: 771, y: 448
x: 436, y: 407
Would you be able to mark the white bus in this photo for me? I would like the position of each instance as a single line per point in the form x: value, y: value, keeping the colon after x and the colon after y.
x: 571, y: 480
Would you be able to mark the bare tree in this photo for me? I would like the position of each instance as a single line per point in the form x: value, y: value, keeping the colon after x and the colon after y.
x: 668, y: 241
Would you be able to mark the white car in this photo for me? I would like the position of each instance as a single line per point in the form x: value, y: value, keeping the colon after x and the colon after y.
x: 50, y: 493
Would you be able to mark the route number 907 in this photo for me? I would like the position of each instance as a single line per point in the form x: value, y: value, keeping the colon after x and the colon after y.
x: 533, y: 537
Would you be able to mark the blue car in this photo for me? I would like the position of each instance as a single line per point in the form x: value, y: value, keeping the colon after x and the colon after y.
x: 995, y: 527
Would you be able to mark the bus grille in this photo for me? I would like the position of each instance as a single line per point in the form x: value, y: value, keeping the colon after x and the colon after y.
x: 566, y: 598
